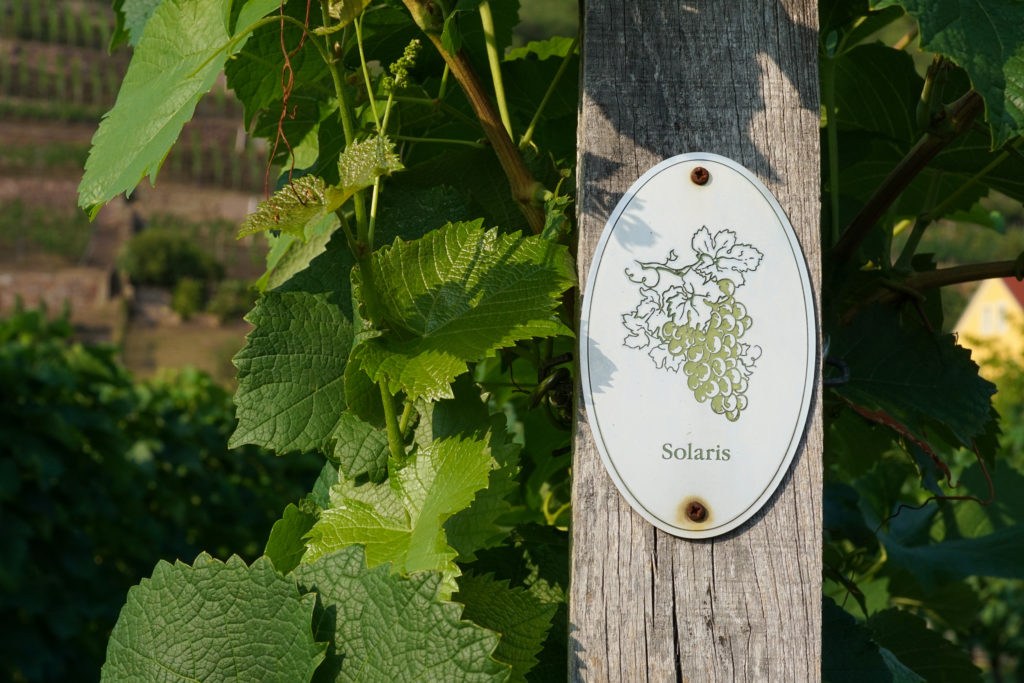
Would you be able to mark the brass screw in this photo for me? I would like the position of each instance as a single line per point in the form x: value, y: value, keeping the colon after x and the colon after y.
x: 696, y: 512
x: 700, y: 175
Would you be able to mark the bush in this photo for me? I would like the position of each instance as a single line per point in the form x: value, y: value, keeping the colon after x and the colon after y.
x: 157, y: 257
x: 233, y: 299
x: 100, y: 477
x: 188, y: 297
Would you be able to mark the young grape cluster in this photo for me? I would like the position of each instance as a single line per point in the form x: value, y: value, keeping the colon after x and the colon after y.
x: 716, y: 364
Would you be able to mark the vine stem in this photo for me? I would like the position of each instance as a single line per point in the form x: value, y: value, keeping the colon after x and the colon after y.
x: 442, y: 141
x: 437, y: 104
x: 524, y: 188
x: 494, y: 61
x: 358, y: 23
x: 920, y: 225
x: 395, y: 444
x: 959, y: 117
x: 932, y: 279
x: 403, y: 422
x: 347, y: 122
x: 528, y: 135
x: 948, y: 201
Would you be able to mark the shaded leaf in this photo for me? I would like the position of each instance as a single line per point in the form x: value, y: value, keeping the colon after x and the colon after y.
x: 522, y: 620
x: 877, y: 89
x: 254, y: 73
x: 921, y: 649
x: 285, y: 546
x: 385, y: 627
x: 995, y: 554
x: 984, y: 38
x: 847, y: 651
x: 360, y: 449
x: 921, y: 381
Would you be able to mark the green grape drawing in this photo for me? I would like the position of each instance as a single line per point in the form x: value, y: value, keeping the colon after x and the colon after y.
x: 689, y: 319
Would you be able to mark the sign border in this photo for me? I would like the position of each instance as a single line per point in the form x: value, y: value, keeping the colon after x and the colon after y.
x: 811, y: 363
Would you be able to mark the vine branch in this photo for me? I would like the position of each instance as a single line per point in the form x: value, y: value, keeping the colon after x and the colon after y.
x: 427, y: 16
x: 933, y: 279
x: 959, y: 116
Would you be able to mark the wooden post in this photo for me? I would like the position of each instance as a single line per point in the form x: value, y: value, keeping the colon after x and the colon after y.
x: 740, y: 79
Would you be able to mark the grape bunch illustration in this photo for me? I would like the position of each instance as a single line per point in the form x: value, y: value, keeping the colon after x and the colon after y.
x: 689, y: 318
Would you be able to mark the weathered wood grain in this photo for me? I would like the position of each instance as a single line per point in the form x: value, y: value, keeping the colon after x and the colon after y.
x: 737, y: 78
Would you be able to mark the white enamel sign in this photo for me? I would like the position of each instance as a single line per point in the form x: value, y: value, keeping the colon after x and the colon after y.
x: 698, y: 345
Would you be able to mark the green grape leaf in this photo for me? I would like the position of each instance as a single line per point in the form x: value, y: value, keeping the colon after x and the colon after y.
x: 286, y: 546
x: 877, y: 94
x: 120, y: 35
x: 291, y: 372
x: 849, y: 655
x: 522, y: 620
x: 320, y: 496
x: 558, y: 46
x: 386, y: 627
x: 901, y: 673
x: 363, y: 162
x: 304, y: 203
x: 969, y: 539
x: 478, y: 172
x: 254, y: 73
x: 363, y: 396
x: 852, y: 21
x: 410, y: 212
x: 360, y: 448
x: 462, y: 28
x: 291, y: 386
x: 528, y: 73
x: 401, y: 521
x: 985, y: 39
x: 295, y: 208
x: 179, y: 625
x: 877, y: 89
x: 136, y: 13
x: 183, y: 49
x: 924, y: 651
x: 345, y: 11
x: 466, y: 416
x: 913, y: 378
x: 455, y: 296
x: 289, y: 254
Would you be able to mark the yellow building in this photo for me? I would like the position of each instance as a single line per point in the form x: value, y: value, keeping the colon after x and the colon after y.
x: 993, y: 322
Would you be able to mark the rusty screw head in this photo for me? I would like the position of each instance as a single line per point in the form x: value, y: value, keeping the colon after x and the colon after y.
x: 700, y: 175
x: 696, y: 512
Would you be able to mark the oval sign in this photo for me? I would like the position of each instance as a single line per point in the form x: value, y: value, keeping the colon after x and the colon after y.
x: 698, y: 345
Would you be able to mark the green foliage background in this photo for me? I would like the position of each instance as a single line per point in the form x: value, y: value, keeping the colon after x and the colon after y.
x: 101, y: 475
